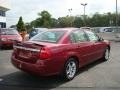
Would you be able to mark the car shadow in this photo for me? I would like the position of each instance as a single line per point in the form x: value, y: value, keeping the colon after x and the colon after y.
x: 20, y: 79
x: 89, y: 66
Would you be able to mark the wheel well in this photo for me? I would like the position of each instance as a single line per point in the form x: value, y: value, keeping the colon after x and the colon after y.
x: 108, y: 47
x: 76, y: 58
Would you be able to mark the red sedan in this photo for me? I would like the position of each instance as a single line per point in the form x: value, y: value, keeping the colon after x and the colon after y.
x: 59, y: 51
x: 7, y: 36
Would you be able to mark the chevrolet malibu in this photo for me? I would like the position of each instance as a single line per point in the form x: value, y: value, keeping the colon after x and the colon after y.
x: 59, y: 51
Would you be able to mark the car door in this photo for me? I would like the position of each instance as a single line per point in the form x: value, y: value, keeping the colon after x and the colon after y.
x: 82, y: 46
x: 98, y: 46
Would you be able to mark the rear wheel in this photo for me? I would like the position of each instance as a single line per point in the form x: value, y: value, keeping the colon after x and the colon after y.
x: 70, y: 69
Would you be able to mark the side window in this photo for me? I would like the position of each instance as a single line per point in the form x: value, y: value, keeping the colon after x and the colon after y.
x: 72, y: 38
x: 78, y: 36
x: 92, y: 36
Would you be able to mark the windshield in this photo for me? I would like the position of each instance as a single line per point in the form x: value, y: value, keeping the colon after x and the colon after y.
x: 48, y: 36
x: 9, y: 32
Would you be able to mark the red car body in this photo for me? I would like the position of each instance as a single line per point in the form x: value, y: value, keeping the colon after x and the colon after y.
x: 7, y: 39
x: 45, y: 58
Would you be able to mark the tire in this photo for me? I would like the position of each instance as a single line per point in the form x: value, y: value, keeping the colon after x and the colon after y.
x: 70, y: 69
x: 106, y: 54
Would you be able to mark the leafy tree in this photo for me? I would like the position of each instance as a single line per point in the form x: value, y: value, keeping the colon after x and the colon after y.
x: 45, y: 18
x: 54, y: 22
x: 96, y: 20
x: 37, y: 23
x: 78, y: 22
x: 67, y: 21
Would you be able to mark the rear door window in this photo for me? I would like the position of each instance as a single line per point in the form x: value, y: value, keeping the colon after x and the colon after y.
x: 78, y: 36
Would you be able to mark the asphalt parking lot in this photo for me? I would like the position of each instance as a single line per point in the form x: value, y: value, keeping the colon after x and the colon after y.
x: 99, y: 75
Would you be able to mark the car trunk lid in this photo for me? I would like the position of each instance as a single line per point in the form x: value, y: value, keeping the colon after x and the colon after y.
x: 27, y: 51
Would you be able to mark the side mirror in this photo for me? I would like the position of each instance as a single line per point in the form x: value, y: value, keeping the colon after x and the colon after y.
x: 100, y: 39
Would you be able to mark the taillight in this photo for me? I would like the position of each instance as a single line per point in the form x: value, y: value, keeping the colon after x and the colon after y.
x: 3, y: 39
x: 45, y: 53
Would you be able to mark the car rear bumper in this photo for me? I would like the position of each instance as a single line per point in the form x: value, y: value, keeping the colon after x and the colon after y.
x: 36, y: 69
x: 6, y: 44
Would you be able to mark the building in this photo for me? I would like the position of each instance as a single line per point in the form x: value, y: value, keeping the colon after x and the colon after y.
x: 4, y: 6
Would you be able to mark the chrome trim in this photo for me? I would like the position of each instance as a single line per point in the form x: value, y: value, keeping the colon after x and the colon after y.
x: 29, y: 49
x: 93, y: 53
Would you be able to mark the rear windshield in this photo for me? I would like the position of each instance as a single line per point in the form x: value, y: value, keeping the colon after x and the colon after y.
x: 39, y: 30
x: 48, y: 36
x: 8, y: 32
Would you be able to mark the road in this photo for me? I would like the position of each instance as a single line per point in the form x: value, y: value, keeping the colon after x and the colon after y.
x: 100, y: 75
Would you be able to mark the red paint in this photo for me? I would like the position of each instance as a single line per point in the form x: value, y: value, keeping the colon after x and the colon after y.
x: 8, y: 40
x: 50, y: 58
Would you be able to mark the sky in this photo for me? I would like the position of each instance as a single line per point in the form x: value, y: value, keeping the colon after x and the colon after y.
x: 29, y: 9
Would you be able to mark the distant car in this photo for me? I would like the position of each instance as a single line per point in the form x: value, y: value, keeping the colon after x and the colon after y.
x: 35, y: 31
x: 7, y: 36
x: 59, y: 51
x: 106, y: 29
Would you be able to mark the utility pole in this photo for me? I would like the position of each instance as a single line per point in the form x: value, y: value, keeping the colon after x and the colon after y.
x: 116, y: 17
x: 84, y: 5
x: 0, y: 37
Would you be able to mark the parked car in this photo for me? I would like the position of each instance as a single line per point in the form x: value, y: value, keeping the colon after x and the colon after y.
x: 7, y: 36
x: 35, y: 31
x: 59, y: 51
x: 106, y: 29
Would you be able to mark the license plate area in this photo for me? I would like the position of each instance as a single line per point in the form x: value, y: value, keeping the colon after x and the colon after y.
x: 25, y: 54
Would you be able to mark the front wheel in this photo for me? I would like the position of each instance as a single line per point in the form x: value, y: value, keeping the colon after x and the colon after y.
x: 106, y: 54
x: 70, y: 69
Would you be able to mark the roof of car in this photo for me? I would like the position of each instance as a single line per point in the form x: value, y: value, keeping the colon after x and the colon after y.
x: 70, y: 29
x: 40, y: 28
x: 7, y: 28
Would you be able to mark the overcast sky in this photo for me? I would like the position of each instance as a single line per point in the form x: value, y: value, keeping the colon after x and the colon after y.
x: 28, y: 9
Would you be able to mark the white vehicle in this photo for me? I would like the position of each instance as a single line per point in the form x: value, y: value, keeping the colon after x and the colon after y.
x: 106, y: 29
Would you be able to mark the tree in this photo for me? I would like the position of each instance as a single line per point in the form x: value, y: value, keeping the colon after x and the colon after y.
x: 36, y: 23
x: 78, y: 22
x: 45, y: 18
x: 96, y: 20
x: 20, y: 25
x: 66, y: 21
x: 54, y: 22
x: 21, y: 28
